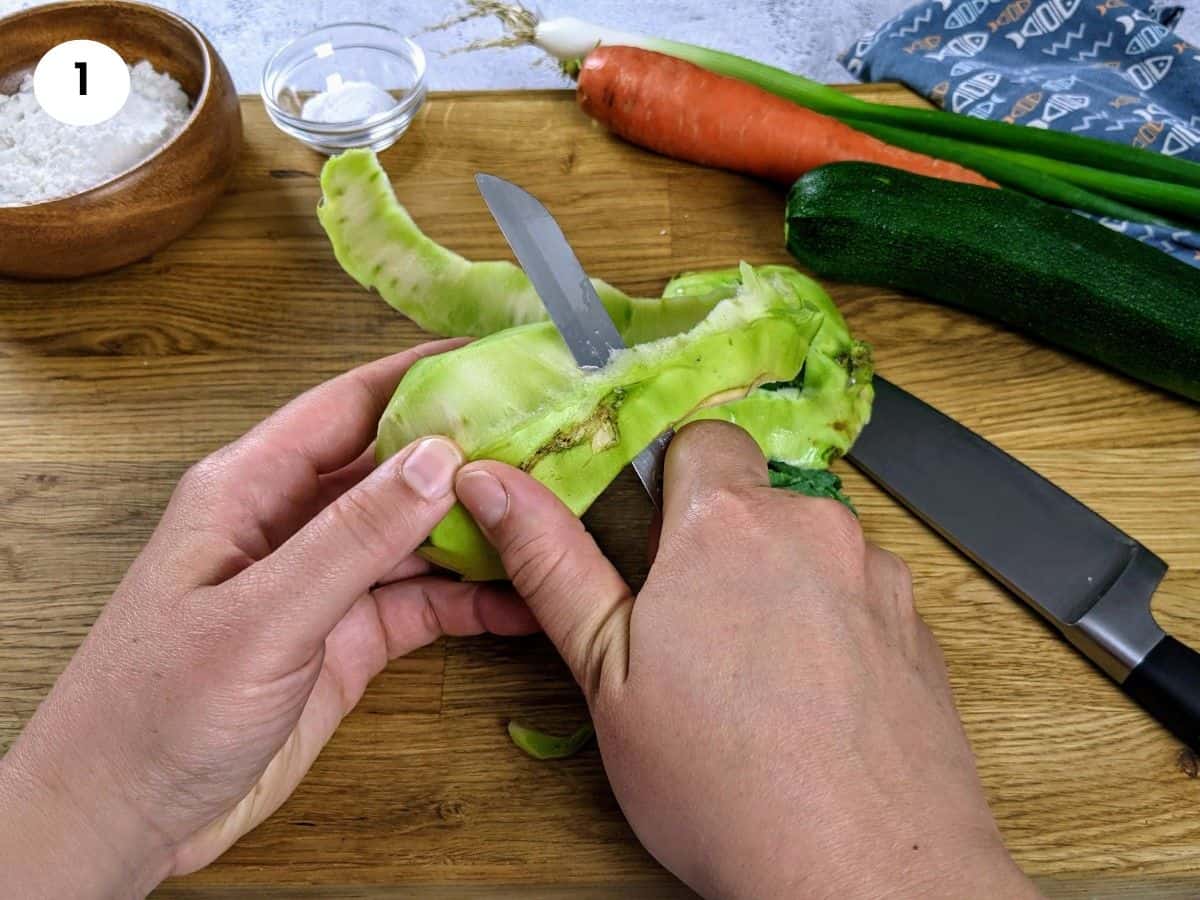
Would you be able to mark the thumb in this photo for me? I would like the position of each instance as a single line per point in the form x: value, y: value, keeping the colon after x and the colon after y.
x: 310, y: 582
x: 703, y: 460
x: 578, y: 598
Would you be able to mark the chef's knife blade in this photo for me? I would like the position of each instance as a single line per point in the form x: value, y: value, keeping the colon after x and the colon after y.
x: 544, y: 254
x: 1089, y: 579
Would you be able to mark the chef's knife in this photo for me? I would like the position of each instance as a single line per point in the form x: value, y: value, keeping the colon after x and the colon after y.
x: 567, y: 292
x: 1089, y: 579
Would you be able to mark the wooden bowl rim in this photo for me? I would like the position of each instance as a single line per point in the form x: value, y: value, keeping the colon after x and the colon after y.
x: 206, y: 56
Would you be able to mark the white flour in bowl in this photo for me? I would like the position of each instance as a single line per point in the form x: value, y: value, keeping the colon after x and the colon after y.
x: 43, y: 159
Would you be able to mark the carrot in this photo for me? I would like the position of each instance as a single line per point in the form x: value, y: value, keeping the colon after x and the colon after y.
x: 683, y: 111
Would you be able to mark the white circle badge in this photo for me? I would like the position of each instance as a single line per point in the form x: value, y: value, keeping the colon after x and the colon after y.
x: 81, y: 82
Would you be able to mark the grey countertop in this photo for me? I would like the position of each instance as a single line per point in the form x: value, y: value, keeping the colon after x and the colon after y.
x: 801, y: 35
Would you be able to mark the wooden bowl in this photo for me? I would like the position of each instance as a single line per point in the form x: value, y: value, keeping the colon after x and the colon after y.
x: 146, y: 207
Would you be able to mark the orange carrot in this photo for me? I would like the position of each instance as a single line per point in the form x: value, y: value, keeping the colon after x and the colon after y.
x: 683, y: 111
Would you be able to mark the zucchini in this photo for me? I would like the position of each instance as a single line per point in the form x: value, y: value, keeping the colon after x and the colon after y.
x: 1035, y: 267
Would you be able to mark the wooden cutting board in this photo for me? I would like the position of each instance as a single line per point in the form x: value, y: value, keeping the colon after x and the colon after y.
x: 111, y: 386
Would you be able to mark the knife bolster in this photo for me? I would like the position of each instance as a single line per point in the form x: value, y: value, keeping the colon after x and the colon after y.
x: 1119, y: 631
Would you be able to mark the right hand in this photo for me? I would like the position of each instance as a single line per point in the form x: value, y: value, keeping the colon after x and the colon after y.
x: 773, y: 714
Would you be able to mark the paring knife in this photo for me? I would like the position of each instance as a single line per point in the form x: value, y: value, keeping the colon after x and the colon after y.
x: 567, y: 292
x: 1088, y: 578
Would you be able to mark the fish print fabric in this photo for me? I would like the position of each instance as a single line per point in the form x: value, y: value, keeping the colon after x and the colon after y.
x: 1110, y: 69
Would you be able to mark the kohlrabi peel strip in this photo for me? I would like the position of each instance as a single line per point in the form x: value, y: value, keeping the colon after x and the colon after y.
x: 379, y: 245
x: 519, y: 397
x: 808, y: 423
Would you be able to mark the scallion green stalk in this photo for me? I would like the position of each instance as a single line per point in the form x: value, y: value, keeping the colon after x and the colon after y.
x: 1013, y: 170
x: 1177, y: 201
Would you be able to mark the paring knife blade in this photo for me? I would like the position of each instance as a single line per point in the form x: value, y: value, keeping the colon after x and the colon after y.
x: 544, y: 254
x: 1088, y: 578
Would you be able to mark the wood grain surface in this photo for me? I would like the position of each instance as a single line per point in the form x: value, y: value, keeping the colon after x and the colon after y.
x: 111, y: 386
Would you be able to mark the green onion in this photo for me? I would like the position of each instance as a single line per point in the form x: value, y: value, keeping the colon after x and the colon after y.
x: 1175, y: 200
x: 1029, y: 174
x: 1070, y: 169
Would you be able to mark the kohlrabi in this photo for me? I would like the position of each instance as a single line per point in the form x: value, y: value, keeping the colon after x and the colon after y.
x: 764, y: 348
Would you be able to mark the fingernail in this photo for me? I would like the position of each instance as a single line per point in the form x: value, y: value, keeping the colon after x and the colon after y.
x: 429, y: 469
x: 484, y: 497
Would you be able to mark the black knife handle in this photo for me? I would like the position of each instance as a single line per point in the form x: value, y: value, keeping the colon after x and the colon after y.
x: 1167, y: 684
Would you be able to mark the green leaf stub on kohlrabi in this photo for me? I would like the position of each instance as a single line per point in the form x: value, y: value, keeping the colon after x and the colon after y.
x: 764, y: 348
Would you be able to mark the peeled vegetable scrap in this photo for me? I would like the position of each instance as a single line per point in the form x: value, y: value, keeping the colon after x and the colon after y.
x: 764, y: 348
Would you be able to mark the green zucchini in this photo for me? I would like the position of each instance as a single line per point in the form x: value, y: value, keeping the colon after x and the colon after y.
x: 1035, y: 267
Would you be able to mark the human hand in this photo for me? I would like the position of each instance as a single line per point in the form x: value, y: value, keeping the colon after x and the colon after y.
x: 773, y: 714
x: 279, y: 582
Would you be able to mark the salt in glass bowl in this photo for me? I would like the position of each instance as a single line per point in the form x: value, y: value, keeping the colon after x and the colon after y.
x: 331, y: 57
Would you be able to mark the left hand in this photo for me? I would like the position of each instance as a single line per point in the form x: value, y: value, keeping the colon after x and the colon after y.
x: 279, y: 582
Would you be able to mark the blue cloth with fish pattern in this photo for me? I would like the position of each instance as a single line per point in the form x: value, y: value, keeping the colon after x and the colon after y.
x: 1110, y: 69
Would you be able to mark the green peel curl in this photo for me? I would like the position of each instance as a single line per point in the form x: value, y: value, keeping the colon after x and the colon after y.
x: 544, y: 746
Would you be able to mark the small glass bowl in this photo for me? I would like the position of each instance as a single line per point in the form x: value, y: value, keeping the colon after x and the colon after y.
x: 332, y: 56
